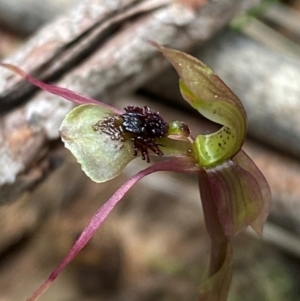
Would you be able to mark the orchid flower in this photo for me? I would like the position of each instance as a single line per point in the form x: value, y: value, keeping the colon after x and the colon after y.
x: 104, y: 139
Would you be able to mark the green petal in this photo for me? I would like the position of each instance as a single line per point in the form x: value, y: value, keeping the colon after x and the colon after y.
x: 237, y: 196
x: 100, y: 157
x: 208, y: 94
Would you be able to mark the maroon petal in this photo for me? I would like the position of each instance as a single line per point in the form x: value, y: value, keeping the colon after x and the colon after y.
x: 218, y: 277
x: 244, y: 161
x: 237, y: 196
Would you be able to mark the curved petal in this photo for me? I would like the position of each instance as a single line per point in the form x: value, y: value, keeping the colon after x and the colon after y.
x: 218, y: 277
x: 237, y: 196
x: 243, y: 160
x: 208, y: 94
x: 101, y: 158
x: 186, y: 165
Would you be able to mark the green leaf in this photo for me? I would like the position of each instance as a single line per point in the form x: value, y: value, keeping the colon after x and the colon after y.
x: 100, y: 157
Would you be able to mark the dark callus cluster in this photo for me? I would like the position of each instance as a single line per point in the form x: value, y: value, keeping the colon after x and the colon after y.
x: 144, y: 126
x: 140, y: 125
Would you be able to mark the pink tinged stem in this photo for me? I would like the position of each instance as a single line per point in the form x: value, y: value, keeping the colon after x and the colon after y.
x: 184, y: 164
x: 63, y: 92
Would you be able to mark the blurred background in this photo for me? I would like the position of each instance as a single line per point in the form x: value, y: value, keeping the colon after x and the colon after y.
x: 154, y: 245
